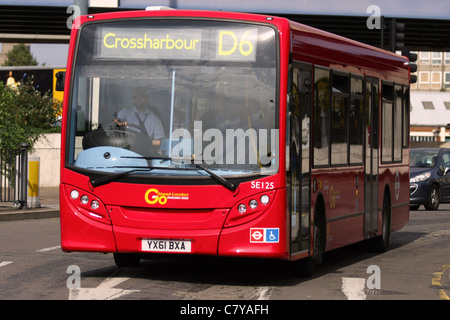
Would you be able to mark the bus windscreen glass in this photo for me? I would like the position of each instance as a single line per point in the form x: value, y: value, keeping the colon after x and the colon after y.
x: 149, y: 95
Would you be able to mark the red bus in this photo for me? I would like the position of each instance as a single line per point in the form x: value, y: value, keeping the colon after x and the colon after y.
x: 229, y: 134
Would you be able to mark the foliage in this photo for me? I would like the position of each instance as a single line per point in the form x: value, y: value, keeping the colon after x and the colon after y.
x: 25, y: 114
x: 20, y: 55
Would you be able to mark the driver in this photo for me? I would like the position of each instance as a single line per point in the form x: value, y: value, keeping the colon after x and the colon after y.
x: 140, y: 117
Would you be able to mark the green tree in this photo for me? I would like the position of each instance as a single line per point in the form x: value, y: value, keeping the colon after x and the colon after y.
x: 25, y: 114
x: 20, y: 55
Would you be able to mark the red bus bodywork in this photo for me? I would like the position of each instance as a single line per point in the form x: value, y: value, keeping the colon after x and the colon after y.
x: 208, y: 216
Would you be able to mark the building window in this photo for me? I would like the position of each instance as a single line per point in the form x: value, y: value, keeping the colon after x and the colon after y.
x: 424, y: 58
x: 447, y: 105
x: 447, y: 79
x: 428, y: 105
x: 436, y: 80
x: 423, y: 138
x: 447, y: 57
x: 436, y: 58
x: 424, y: 80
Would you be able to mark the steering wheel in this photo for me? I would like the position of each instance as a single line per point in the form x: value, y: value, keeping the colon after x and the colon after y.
x: 140, y: 142
x: 109, y: 135
x: 118, y: 136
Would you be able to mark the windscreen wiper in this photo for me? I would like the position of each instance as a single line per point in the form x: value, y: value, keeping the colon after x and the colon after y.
x: 227, y: 184
x: 107, y: 179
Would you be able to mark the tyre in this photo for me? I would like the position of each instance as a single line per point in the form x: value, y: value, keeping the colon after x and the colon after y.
x: 307, y: 266
x: 433, y: 198
x: 382, y: 242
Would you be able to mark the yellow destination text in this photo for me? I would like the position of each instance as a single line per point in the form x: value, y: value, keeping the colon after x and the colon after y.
x: 112, y: 41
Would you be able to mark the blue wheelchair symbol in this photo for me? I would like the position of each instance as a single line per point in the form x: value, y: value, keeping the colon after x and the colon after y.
x: 272, y: 235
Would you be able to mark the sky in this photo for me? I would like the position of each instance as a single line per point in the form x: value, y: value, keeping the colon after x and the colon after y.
x: 437, y: 9
x: 45, y: 53
x: 54, y: 55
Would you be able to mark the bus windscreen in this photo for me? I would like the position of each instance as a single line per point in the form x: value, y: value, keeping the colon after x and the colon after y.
x: 179, y: 94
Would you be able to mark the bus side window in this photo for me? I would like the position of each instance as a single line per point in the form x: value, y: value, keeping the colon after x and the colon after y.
x: 321, y: 117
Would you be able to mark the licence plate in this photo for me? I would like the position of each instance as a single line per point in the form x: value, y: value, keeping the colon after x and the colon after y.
x: 156, y: 245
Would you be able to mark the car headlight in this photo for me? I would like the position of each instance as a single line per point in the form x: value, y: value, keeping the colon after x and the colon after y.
x: 420, y: 177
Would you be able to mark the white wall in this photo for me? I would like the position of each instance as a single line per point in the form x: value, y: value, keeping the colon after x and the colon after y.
x: 48, y: 149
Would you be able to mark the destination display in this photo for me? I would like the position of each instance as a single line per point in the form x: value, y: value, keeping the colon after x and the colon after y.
x: 218, y: 44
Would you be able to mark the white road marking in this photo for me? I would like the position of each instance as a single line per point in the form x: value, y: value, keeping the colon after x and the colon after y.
x: 104, y: 291
x: 5, y: 263
x: 354, y: 288
x: 225, y: 292
x: 49, y: 249
x: 263, y: 293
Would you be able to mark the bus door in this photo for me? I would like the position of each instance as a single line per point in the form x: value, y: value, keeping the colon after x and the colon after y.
x: 371, y: 157
x: 298, y: 156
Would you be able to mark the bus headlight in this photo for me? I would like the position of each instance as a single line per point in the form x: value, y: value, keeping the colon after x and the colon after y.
x: 74, y: 194
x: 242, y: 208
x: 264, y: 199
x: 253, y: 204
x: 95, y: 204
x: 88, y: 204
x: 84, y: 199
x: 250, y: 208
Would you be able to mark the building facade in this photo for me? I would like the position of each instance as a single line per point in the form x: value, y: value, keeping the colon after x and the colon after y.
x: 433, y: 72
x: 430, y: 100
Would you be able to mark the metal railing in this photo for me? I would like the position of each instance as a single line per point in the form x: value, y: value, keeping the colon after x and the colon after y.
x: 14, y: 175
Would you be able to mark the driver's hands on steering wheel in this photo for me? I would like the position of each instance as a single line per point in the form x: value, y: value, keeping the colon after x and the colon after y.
x: 119, y: 123
x: 125, y: 124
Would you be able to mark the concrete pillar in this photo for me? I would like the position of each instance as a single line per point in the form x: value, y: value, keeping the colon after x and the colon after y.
x: 83, y: 5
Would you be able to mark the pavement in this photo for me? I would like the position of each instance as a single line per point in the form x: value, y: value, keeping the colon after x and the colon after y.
x: 49, y: 207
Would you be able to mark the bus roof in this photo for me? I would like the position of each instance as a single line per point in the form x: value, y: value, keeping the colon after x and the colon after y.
x: 346, y: 54
x: 318, y: 46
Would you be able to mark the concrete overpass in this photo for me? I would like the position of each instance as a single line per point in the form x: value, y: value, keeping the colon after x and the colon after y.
x: 429, y: 32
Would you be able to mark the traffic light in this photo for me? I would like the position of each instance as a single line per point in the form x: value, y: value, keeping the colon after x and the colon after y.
x: 412, y: 65
x: 397, y: 35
